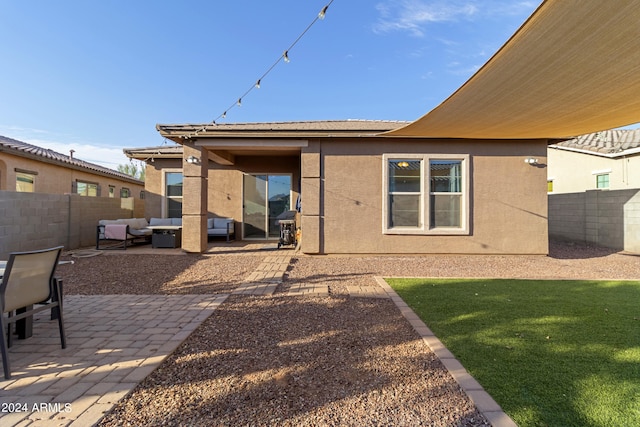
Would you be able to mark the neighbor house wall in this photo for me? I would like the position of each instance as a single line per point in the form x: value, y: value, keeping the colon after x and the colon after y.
x: 30, y: 221
x: 54, y: 179
x: 573, y: 172
x: 343, y: 201
x: 609, y: 218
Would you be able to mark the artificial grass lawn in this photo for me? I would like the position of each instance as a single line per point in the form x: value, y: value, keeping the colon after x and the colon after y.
x: 551, y: 353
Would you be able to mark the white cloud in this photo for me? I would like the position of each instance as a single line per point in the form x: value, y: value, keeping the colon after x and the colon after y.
x: 412, y: 15
x: 107, y: 156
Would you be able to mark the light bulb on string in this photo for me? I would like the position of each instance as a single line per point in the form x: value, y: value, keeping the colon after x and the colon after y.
x: 285, y: 55
x: 239, y: 103
x: 323, y: 12
x: 258, y: 84
x: 224, y: 115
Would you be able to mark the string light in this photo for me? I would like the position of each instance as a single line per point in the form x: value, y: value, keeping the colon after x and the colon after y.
x: 285, y: 57
x: 323, y: 12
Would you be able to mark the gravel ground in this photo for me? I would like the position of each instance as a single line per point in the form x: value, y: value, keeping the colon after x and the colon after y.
x: 144, y: 274
x: 312, y: 361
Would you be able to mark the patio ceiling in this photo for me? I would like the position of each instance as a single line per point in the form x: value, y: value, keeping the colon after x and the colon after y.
x: 572, y: 68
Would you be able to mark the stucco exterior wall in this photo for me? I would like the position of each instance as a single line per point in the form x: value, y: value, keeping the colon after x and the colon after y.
x: 342, y: 195
x: 573, y: 172
x: 54, y: 179
x: 508, y: 200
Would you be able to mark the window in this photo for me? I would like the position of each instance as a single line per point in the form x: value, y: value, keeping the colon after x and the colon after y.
x: 86, y: 188
x: 25, y: 182
x: 445, y: 193
x: 124, y: 193
x: 112, y: 191
x: 405, y: 193
x: 425, y: 194
x: 173, y: 194
x: 602, y: 181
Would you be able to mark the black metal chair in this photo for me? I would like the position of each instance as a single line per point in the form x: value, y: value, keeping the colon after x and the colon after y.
x: 28, y: 281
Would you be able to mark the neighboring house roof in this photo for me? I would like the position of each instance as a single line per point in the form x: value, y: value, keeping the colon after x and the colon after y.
x: 33, y: 152
x: 150, y: 153
x: 609, y: 143
x: 303, y: 129
x: 571, y: 69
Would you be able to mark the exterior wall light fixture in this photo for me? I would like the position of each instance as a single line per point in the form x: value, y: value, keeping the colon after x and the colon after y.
x: 192, y: 160
x: 531, y: 160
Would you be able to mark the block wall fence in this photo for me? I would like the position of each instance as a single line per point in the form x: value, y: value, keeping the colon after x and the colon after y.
x: 30, y: 221
x: 609, y: 218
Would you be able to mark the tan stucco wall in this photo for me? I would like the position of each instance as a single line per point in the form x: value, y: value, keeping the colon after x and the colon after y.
x: 54, y: 179
x: 573, y: 172
x: 224, y: 183
x: 343, y: 201
x: 508, y: 199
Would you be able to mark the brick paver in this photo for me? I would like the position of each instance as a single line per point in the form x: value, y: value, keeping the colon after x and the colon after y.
x: 102, y: 362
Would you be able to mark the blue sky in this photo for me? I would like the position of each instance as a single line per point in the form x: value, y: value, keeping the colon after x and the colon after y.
x: 97, y: 77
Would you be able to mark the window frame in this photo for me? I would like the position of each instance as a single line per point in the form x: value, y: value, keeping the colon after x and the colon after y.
x: 608, y: 180
x: 165, y: 197
x: 425, y: 195
x: 88, y: 184
x: 25, y: 175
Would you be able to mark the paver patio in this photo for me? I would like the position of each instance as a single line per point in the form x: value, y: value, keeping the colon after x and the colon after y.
x: 113, y: 342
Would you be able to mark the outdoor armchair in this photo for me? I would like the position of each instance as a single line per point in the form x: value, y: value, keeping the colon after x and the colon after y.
x: 28, y: 280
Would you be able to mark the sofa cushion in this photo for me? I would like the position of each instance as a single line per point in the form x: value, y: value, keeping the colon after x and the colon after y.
x: 176, y: 221
x: 218, y: 231
x: 139, y: 232
x: 221, y: 223
x: 210, y: 223
x: 159, y: 221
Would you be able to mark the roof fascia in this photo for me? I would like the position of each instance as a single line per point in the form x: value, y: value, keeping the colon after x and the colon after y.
x: 624, y: 153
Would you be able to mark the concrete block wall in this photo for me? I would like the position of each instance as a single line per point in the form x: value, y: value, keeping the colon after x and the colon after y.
x: 632, y: 224
x: 567, y: 216
x: 605, y: 218
x: 30, y: 221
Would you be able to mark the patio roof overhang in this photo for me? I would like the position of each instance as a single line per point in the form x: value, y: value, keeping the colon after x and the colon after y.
x: 226, y: 141
x: 572, y: 68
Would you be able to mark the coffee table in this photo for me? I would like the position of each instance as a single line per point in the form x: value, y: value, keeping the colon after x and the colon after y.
x: 166, y: 236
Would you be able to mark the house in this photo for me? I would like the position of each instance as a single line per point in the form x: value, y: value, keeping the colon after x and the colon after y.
x: 468, y: 177
x: 607, y: 160
x: 361, y: 190
x: 28, y: 168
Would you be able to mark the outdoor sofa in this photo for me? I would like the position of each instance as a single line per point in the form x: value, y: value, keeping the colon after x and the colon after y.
x: 118, y: 233
x: 221, y: 227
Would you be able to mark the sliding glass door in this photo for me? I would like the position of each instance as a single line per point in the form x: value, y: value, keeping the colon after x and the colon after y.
x: 265, y: 197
